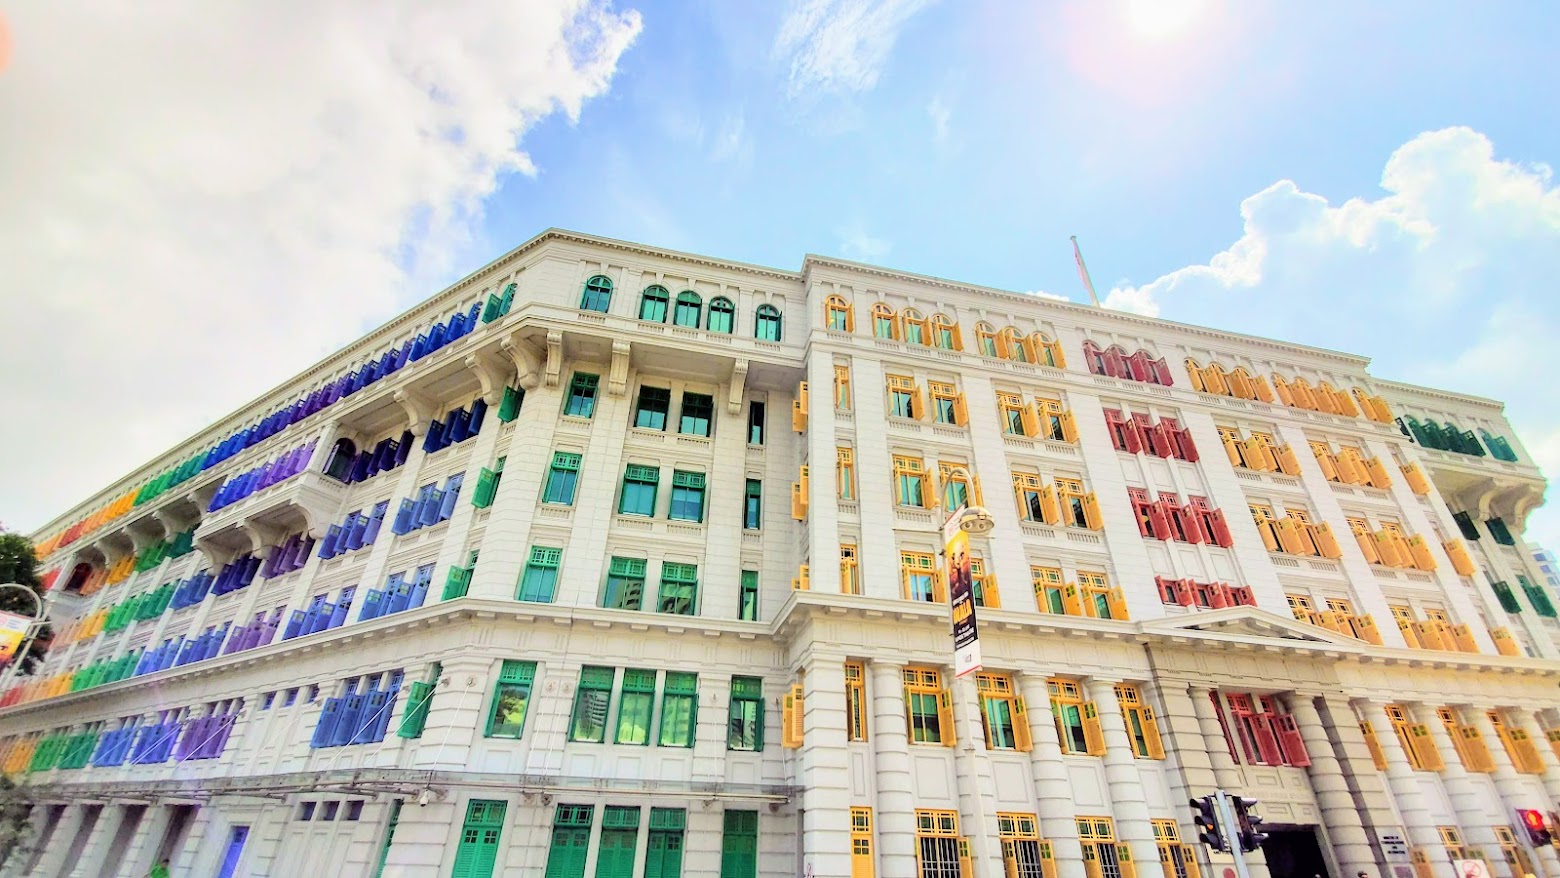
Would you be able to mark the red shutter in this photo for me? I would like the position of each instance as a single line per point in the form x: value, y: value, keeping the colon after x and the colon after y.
x: 1133, y: 435
x: 1141, y: 508
x: 1159, y: 440
x: 1183, y: 438
x: 1139, y: 367
x: 1242, y: 595
x: 1188, y: 517
x: 1167, y: 589
x: 1213, y: 521
x: 1162, y: 372
x: 1159, y: 519
x: 1267, y: 742
x: 1219, y: 596
x: 1091, y: 355
x: 1115, y: 363
x: 1186, y: 593
x: 1289, y: 740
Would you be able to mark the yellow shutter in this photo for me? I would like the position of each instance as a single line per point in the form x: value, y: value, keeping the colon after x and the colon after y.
x: 1259, y: 456
x: 1554, y: 741
x: 1213, y: 380
x: 1240, y: 385
x: 1351, y: 468
x: 1462, y: 635
x: 1365, y: 628
x: 1057, y: 356
x: 1069, y: 426
x: 1289, y: 537
x: 1389, y: 550
x: 1072, y: 600
x: 1424, y: 747
x: 1117, y: 602
x: 803, y: 581
x: 1373, y: 745
x: 1328, y: 462
x: 945, y: 717
x: 1416, y: 479
x: 966, y: 864
x: 1022, y: 740
x: 1091, y: 512
x: 1156, y: 748
x: 1233, y: 452
x: 791, y: 718
x: 1505, y: 643
x: 917, y: 403
x: 1093, y: 737
x: 1410, y: 634
x: 1288, y: 463
x: 1429, y: 635
x: 1194, y: 372
x: 1525, y: 755
x: 799, y: 494
x: 1050, y: 508
x: 1476, y: 751
x: 1377, y: 473
x: 1419, y: 553
x: 1263, y: 391
x: 1124, y: 862
x: 1461, y: 561
x: 1379, y: 406
x: 1367, y: 543
x: 1031, y: 418
x: 799, y: 409
x: 961, y: 411
x: 1345, y: 404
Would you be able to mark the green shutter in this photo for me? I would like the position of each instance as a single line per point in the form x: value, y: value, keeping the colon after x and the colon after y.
x: 487, y: 488
x: 416, y: 716
x: 663, y: 856
x: 570, y: 842
x: 513, y: 677
x: 1536, y: 597
x: 509, y: 409
x: 458, y: 583
x: 479, y: 837
x: 619, y: 842
x: 739, y: 845
x: 384, y: 850
x: 1508, y: 601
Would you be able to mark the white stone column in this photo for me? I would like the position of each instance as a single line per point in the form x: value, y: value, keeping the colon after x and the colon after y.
x: 1406, y: 791
x: 891, y: 751
x: 823, y: 767
x: 90, y: 863
x: 52, y: 862
x: 458, y: 712
x: 506, y: 539
x: 975, y: 785
x: 1053, y: 788
x: 1466, y: 797
x: 1128, y: 802
x: 1187, y: 749
x: 1345, y: 829
x: 1515, y: 791
x: 1225, y: 775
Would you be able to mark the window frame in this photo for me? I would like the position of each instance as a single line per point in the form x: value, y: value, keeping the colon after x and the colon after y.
x: 520, y: 675
x: 581, y: 399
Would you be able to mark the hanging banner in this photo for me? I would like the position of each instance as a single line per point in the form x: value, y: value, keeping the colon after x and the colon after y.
x: 961, y: 596
x: 13, y: 630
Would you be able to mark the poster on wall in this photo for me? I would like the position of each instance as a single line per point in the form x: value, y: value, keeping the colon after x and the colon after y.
x: 961, y: 596
x: 13, y: 630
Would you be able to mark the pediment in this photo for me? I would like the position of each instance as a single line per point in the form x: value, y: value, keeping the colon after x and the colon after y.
x: 1248, y: 623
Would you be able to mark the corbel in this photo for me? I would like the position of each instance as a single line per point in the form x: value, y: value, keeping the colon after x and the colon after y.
x: 739, y: 370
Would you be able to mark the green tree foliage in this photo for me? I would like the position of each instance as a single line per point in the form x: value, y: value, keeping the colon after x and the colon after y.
x: 18, y: 564
x: 15, y: 816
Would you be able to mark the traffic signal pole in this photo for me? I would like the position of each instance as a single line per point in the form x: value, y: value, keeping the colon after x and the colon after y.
x: 1230, y: 829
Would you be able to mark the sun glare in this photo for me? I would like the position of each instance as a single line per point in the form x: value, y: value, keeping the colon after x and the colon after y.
x: 1161, y: 20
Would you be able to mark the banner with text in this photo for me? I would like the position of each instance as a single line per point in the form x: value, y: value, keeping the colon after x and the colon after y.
x: 961, y: 596
x: 13, y: 630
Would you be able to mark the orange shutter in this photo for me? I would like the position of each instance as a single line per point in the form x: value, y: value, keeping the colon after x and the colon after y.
x: 1377, y: 473
x: 1461, y: 561
x: 1419, y: 553
x: 1288, y: 462
x: 799, y: 409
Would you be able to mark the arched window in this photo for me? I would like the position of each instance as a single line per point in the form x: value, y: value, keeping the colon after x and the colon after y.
x: 723, y: 315
x: 1048, y: 351
x: 339, y: 466
x: 1011, y: 347
x: 985, y: 339
x: 838, y: 314
x: 945, y: 333
x: 916, y: 328
x: 597, y: 295
x: 653, y: 302
x: 78, y: 577
x: 884, y: 323
x: 766, y: 326
x: 688, y: 307
x: 1214, y: 380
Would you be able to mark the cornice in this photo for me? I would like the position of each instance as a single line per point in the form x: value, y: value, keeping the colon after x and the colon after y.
x: 1442, y: 395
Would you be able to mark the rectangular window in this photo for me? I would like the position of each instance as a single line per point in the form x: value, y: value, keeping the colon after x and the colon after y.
x: 687, y: 496
x: 739, y: 845
x: 842, y: 388
x: 747, y: 601
x: 541, y: 575
x: 955, y: 485
x: 506, y: 716
x: 697, y: 410
x: 679, y: 709
x: 910, y: 481
x: 928, y: 708
x: 947, y: 404
x: 615, y: 851
x: 1010, y: 408
x: 845, y: 473
x: 591, y: 703
x: 1049, y: 590
x: 746, y: 728
x: 581, y: 402
x: 1517, y: 744
x: 650, y: 411
x: 755, y: 423
x: 570, y: 842
x: 634, y: 707
x: 1024, y: 853
x: 1053, y: 420
x: 855, y: 701
x: 625, y: 584
x: 753, y: 505
x: 639, y: 488
x: 1175, y: 858
x: 1102, y: 857
x: 679, y: 593
x: 904, y: 398
x: 664, y: 849
x: 1002, y: 713
x: 1077, y: 720
x: 937, y: 844
x: 562, y: 478
x: 918, y: 570
x: 1415, y: 740
x: 478, y: 849
x: 862, y: 864
x: 1142, y: 729
x: 850, y: 572
x: 984, y: 585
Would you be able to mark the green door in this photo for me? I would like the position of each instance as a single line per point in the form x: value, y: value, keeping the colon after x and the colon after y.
x: 615, y: 856
x: 479, y: 836
x: 570, y: 842
x: 664, y: 857
x: 739, y: 845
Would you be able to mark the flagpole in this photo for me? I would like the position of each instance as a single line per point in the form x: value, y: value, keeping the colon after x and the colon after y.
x: 1083, y: 272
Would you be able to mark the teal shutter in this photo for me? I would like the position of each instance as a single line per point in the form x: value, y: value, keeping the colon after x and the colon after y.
x: 509, y: 409
x: 487, y: 488
x: 384, y: 850
x: 478, y: 849
x: 1503, y: 593
x: 739, y: 845
x: 663, y: 856
x: 619, y: 842
x: 570, y: 842
x: 416, y: 716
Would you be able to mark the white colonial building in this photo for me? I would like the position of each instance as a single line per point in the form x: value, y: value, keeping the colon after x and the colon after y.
x: 616, y: 561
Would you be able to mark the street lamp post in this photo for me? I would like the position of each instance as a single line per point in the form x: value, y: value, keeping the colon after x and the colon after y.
x: 39, y: 618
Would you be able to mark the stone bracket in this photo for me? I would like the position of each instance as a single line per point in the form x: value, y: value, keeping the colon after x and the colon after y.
x: 528, y: 368
x: 739, y: 371
x: 554, y: 357
x: 419, y: 409
x: 617, y: 379
x: 490, y: 374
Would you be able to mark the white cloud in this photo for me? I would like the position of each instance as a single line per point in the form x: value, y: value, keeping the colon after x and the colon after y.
x: 857, y: 244
x: 203, y: 198
x: 1447, y: 279
x: 840, y: 45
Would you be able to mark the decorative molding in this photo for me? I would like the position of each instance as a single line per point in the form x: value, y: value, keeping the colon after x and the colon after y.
x: 554, y: 357
x: 419, y: 409
x: 739, y: 370
x: 490, y: 375
x: 617, y: 378
x: 528, y: 366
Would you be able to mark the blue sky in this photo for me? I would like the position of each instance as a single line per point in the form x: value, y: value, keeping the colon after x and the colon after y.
x: 353, y: 167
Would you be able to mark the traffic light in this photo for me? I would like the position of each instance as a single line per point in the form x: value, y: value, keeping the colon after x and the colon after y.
x: 1250, y: 825
x: 1533, y: 822
x: 1205, y: 813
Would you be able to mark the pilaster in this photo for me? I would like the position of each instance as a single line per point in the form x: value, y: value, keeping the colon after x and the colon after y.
x: 1128, y: 802
x: 1345, y: 827
x: 1407, y: 793
x: 895, y: 812
x: 1053, y: 788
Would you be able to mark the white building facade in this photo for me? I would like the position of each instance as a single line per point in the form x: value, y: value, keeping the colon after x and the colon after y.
x: 616, y: 561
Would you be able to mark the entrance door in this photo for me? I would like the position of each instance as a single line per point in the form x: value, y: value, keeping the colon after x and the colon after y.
x: 1294, y: 852
x: 235, y: 850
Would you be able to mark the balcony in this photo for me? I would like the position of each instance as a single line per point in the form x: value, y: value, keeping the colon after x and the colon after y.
x: 308, y: 501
